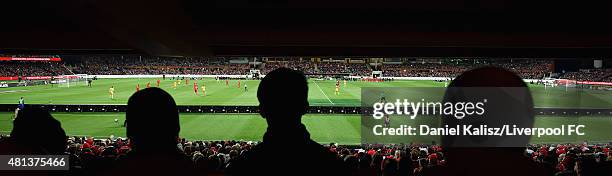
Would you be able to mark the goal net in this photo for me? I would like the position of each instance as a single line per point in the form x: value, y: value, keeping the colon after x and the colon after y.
x: 565, y: 83
x: 254, y: 74
x: 72, y: 80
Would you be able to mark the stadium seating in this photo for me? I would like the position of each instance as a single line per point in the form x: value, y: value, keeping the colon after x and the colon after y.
x: 133, y: 65
x: 526, y: 68
x: 138, y: 65
x: 588, y: 75
x: 155, y: 65
x: 32, y: 68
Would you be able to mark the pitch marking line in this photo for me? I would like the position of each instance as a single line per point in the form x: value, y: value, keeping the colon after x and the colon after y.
x: 12, y: 91
x: 324, y: 93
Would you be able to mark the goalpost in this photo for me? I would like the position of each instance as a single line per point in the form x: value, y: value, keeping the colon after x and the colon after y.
x: 377, y: 74
x: 254, y: 74
x: 564, y: 83
x: 71, y: 80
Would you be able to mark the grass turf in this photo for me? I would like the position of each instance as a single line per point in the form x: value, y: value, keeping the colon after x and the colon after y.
x: 323, y: 128
x: 343, y: 129
x: 321, y: 93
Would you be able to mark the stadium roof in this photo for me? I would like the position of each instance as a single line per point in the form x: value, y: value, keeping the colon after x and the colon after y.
x: 347, y: 28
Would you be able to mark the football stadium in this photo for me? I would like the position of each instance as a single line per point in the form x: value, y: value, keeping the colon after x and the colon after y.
x: 269, y: 87
x: 76, y: 89
x: 217, y: 97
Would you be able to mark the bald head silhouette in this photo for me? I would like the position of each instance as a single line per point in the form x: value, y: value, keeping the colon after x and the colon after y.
x: 152, y: 119
x: 152, y: 126
x: 37, y: 128
x: 283, y: 99
x: 509, y: 102
x: 283, y: 96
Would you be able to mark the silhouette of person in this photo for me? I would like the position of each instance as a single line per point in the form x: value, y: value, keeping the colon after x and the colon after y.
x: 509, y: 102
x: 35, y: 132
x: 153, y: 127
x: 283, y: 99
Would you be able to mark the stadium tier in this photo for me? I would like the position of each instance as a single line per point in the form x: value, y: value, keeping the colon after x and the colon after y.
x: 589, y: 75
x: 139, y: 65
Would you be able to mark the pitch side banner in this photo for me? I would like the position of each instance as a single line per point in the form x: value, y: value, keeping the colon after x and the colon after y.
x: 51, y: 59
x: 8, y: 78
x: 464, y: 116
x: 595, y: 83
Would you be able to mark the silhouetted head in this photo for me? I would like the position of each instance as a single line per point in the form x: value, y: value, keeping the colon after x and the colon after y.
x: 283, y: 96
x: 152, y: 119
x: 507, y: 101
x: 488, y: 77
x: 37, y: 128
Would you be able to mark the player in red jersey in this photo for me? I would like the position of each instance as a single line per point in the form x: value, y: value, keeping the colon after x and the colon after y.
x: 239, y: 84
x: 227, y: 82
x: 195, y: 87
x: 137, y: 87
x: 157, y: 82
x: 149, y: 85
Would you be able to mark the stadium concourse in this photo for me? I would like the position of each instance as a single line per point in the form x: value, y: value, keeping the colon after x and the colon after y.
x: 94, y: 138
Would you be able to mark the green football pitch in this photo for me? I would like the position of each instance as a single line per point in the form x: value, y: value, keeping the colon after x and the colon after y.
x: 324, y: 128
x: 321, y: 93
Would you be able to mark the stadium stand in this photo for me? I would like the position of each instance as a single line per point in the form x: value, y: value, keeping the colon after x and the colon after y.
x: 607, y: 79
x: 305, y: 66
x: 346, y: 68
x: 155, y: 65
x: 138, y: 65
x: 32, y: 68
x: 423, y: 70
x: 588, y: 75
x: 526, y: 68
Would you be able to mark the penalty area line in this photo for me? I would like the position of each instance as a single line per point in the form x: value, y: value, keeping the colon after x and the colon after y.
x: 323, y: 93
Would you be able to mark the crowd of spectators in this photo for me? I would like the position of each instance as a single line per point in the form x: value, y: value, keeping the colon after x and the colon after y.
x: 213, y: 157
x: 527, y: 69
x: 588, y: 75
x: 607, y: 79
x: 305, y: 66
x: 572, y: 159
x: 156, y: 65
x: 32, y: 68
x: 309, y: 67
x: 120, y: 65
x: 356, y: 69
x: 423, y: 70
